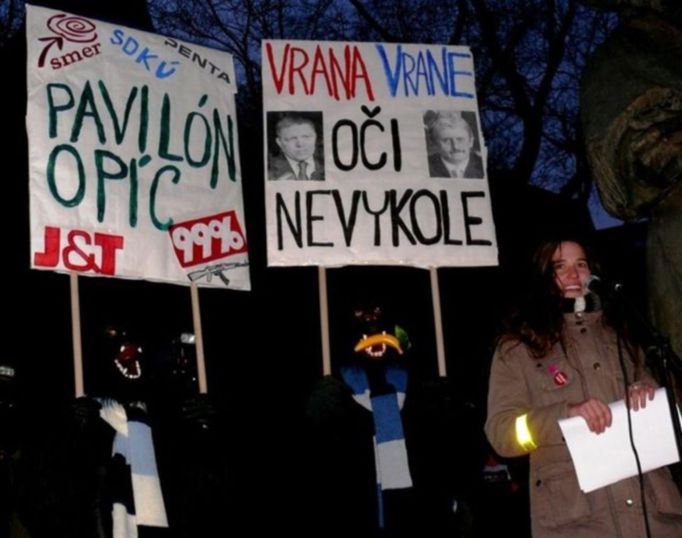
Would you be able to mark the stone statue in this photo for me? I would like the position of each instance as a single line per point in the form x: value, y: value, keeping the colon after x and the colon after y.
x: 631, y: 111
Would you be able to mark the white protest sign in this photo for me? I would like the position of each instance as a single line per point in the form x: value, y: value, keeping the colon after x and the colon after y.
x: 374, y: 155
x: 133, y: 155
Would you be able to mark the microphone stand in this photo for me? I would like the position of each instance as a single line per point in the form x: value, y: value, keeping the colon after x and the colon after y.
x: 659, y: 354
x: 664, y: 360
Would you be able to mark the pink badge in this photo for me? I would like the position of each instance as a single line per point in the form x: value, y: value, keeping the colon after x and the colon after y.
x: 560, y: 378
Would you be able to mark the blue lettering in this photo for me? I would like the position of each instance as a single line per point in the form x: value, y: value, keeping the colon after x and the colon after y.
x: 432, y: 74
x: 452, y: 56
x: 145, y: 55
x: 421, y: 73
x: 151, y: 62
x: 441, y: 75
x: 410, y: 64
x: 162, y: 73
x: 132, y: 42
x: 118, y: 37
x: 393, y: 78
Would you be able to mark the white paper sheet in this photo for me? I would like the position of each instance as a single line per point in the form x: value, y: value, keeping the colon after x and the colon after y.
x: 602, y: 459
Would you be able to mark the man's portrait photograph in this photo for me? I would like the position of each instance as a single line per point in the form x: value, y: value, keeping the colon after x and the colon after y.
x: 295, y: 146
x: 452, y: 144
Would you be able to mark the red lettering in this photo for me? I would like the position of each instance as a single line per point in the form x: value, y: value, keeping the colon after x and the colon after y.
x: 295, y: 66
x: 74, y: 56
x: 207, y: 238
x: 80, y: 253
x: 346, y: 78
x: 73, y: 248
x: 337, y: 70
x: 360, y: 72
x: 49, y: 258
x: 298, y: 68
x: 277, y: 78
x: 109, y: 245
x: 319, y: 67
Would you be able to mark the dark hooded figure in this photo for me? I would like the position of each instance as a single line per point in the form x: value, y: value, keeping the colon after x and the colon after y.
x: 388, y: 465
x: 133, y: 458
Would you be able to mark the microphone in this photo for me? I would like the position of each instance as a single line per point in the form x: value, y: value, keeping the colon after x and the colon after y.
x: 603, y: 288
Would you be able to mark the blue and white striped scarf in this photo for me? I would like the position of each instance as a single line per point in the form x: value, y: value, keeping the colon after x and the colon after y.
x: 133, y: 444
x: 390, y: 451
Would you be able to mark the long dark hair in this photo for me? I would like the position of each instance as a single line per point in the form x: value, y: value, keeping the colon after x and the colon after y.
x: 538, y: 322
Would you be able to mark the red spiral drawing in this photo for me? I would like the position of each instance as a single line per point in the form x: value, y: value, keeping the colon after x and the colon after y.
x: 67, y: 28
